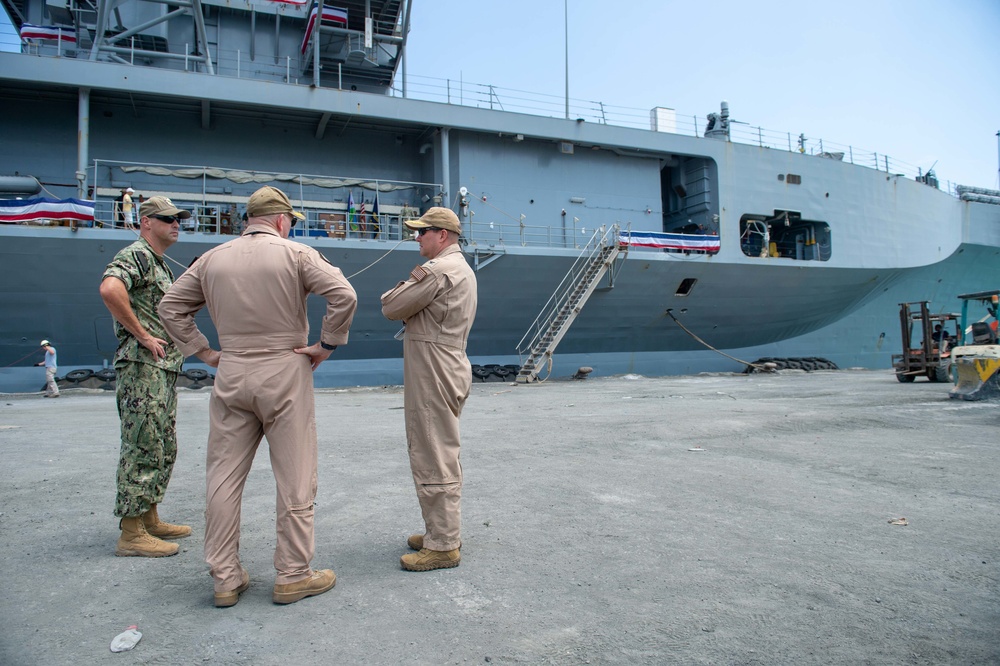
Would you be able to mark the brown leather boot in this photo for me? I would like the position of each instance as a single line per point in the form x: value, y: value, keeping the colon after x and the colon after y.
x: 318, y: 583
x: 158, y: 528
x: 428, y: 560
x: 136, y: 542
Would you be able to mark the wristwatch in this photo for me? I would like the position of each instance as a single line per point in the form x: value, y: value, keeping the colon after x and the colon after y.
x: 326, y: 346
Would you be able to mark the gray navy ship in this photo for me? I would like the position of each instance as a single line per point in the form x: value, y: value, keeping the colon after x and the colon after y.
x: 621, y: 245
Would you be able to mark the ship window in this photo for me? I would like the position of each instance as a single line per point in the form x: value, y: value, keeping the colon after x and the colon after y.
x: 785, y: 235
x: 793, y: 179
x: 684, y: 288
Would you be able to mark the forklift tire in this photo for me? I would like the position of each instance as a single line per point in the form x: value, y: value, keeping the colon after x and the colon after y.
x: 904, y: 379
x: 941, y: 374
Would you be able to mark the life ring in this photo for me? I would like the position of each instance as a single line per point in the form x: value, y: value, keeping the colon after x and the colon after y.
x: 78, y: 375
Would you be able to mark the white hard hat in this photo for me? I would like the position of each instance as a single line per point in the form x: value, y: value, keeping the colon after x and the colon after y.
x: 44, y: 343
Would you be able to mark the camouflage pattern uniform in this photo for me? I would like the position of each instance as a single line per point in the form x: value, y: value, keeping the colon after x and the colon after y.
x: 146, y: 386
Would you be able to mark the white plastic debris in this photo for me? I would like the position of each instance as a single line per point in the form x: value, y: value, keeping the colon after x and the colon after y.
x: 126, y: 640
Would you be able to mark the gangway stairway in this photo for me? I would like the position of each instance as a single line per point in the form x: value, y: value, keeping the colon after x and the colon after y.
x: 566, y: 303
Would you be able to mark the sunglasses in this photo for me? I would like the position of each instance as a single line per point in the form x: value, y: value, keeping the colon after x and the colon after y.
x: 293, y: 219
x: 421, y: 232
x: 169, y: 219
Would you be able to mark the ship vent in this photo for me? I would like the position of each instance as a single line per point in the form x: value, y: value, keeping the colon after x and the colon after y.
x: 685, y: 287
x: 793, y: 179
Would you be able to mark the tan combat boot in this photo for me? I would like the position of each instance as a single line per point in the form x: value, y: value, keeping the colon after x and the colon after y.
x: 161, y: 530
x: 317, y: 583
x: 136, y: 542
x: 229, y: 598
x: 428, y: 560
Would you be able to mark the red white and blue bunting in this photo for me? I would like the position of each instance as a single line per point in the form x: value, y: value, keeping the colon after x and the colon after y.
x: 335, y: 15
x: 60, y: 33
x: 679, y: 242
x: 13, y: 211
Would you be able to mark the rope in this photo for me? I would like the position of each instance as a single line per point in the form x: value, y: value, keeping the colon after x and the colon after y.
x: 548, y: 374
x: 379, y: 259
x: 22, y: 358
x: 686, y: 330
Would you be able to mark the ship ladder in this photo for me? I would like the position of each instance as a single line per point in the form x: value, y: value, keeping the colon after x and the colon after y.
x: 566, y: 303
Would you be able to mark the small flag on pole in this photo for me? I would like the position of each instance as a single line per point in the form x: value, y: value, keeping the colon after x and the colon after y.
x: 376, y: 223
x: 352, y: 213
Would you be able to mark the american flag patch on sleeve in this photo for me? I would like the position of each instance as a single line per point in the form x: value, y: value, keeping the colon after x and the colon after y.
x: 419, y: 273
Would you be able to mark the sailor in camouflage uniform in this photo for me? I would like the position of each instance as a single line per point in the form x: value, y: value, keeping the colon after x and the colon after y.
x: 146, y: 363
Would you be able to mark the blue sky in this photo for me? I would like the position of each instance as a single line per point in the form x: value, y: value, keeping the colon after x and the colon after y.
x: 917, y: 80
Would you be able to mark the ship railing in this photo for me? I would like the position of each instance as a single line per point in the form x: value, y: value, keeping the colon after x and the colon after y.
x: 217, y: 198
x: 222, y: 215
x: 601, y: 238
x: 484, y: 96
x: 286, y: 68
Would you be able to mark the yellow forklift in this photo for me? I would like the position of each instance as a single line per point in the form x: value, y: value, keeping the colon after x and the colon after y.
x: 977, y: 359
x: 927, y: 343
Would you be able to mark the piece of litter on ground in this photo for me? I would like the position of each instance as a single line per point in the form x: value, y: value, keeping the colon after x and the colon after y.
x: 898, y: 521
x: 126, y: 640
x: 696, y: 448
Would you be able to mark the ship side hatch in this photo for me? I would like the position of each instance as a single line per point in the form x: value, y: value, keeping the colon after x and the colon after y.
x: 785, y: 234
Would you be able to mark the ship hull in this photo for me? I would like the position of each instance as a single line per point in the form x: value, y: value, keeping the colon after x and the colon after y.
x: 803, y: 240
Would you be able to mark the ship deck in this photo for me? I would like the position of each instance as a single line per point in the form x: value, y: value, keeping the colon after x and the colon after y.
x: 701, y: 519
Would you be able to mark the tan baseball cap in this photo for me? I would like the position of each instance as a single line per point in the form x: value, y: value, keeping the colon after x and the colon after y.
x: 441, y: 218
x: 162, y: 206
x: 270, y: 201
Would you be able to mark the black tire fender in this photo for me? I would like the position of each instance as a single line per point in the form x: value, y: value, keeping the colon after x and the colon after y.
x: 79, y: 375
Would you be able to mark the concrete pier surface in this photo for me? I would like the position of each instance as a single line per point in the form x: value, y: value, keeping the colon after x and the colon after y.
x: 717, y: 519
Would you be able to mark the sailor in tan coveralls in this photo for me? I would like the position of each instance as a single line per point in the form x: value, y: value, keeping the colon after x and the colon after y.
x: 438, y: 305
x: 255, y: 288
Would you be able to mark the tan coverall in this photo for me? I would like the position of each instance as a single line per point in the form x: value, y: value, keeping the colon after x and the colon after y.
x: 255, y: 288
x: 438, y: 306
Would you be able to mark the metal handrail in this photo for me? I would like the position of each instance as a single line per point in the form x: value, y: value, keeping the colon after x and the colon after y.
x: 233, y: 64
x: 597, y: 243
